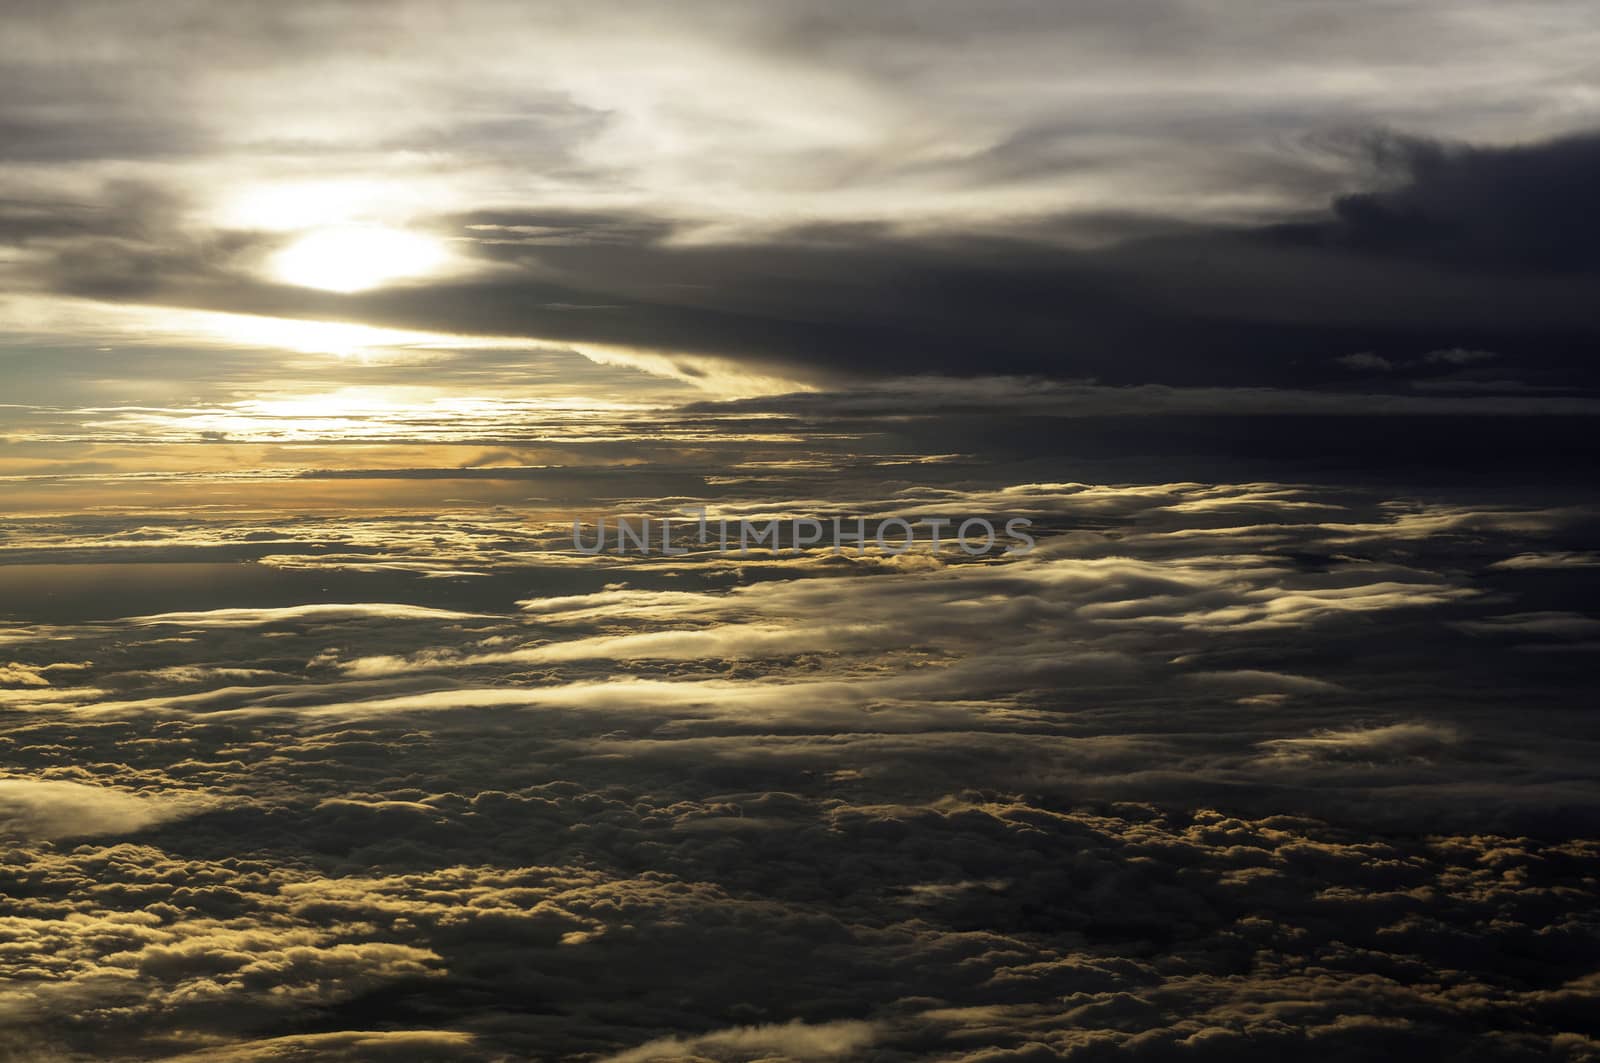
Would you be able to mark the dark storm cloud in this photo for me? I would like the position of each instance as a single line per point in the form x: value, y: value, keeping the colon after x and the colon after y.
x: 1528, y: 208
x: 1463, y: 249
x: 1472, y: 248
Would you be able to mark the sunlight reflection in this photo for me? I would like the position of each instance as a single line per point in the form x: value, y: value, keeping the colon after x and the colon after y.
x: 379, y: 413
x: 342, y: 338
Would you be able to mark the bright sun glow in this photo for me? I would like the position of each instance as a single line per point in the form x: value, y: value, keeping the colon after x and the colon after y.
x: 355, y: 258
x: 286, y: 206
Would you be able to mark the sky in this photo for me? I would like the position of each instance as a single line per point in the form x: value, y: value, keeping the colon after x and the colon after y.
x: 322, y: 325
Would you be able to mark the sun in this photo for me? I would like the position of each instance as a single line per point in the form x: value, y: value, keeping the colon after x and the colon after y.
x: 355, y: 258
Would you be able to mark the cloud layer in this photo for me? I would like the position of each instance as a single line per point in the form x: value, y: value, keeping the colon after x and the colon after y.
x: 1217, y: 769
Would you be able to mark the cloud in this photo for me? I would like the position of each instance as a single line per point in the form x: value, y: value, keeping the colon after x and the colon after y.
x: 943, y: 397
x: 21, y: 675
x: 298, y: 614
x: 789, y: 1041
x: 1427, y: 266
x: 1259, y: 682
x: 343, y: 1046
x: 1458, y: 356
x: 324, y: 743
x: 1554, y: 559
x: 727, y: 640
x: 1365, y: 362
x: 963, y: 208
x: 1553, y: 623
x: 943, y: 101
x: 1467, y: 206
x: 58, y: 808
x: 1398, y: 741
